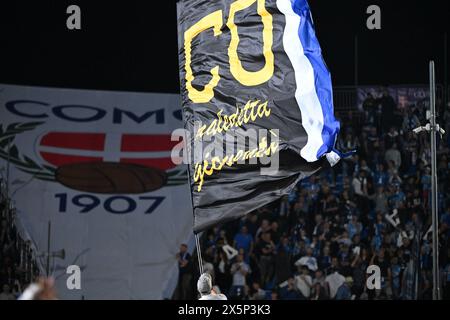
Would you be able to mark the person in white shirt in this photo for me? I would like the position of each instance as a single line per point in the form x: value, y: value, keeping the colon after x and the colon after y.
x: 334, y: 280
x: 239, y: 269
x: 303, y: 282
x: 360, y: 184
x: 205, y: 288
x: 309, y: 260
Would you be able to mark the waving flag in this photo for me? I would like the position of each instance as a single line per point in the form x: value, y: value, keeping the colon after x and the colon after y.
x: 252, y: 66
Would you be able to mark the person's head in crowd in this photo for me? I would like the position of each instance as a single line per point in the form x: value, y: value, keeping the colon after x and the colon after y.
x: 379, y: 217
x: 183, y: 248
x: 274, y: 295
x: 364, y: 164
x: 318, y: 218
x: 244, y: 230
x: 223, y: 234
x: 326, y: 226
x: 345, y: 235
x: 303, y: 234
x: 256, y: 286
x: 220, y: 242
x: 240, y: 258
x: 274, y: 226
x: 325, y: 188
x: 405, y: 242
x: 301, y: 245
x: 326, y: 251
x: 291, y: 283
x: 318, y: 274
x: 362, y: 174
x: 414, y: 217
x: 265, y: 236
x: 265, y: 225
x: 386, y: 239
x: 304, y: 270
x: 365, y: 253
x: 346, y: 183
x: 301, y: 220
x: 356, y: 239
x: 253, y: 218
x: 309, y: 252
x: 209, y: 254
x: 284, y: 241
x: 334, y: 263
x: 394, y: 259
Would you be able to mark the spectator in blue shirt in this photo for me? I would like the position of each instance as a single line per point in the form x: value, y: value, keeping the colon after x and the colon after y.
x: 244, y: 240
x: 344, y: 291
x: 290, y: 292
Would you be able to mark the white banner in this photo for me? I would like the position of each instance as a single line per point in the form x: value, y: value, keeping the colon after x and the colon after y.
x: 97, y: 165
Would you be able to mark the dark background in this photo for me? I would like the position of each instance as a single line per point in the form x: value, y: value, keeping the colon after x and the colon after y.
x: 132, y: 45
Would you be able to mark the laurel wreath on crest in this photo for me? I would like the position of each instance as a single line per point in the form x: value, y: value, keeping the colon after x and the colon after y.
x: 10, y: 152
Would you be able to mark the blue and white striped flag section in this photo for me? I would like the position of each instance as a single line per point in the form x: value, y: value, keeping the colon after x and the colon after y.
x: 246, y: 66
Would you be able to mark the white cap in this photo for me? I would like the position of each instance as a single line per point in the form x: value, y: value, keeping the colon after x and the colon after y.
x: 204, y: 284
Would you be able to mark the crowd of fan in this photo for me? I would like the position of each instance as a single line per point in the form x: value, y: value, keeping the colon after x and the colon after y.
x: 371, y: 209
x: 17, y: 268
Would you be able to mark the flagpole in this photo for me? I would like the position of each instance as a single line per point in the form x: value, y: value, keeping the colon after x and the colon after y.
x: 434, y: 191
x: 199, y: 254
x: 197, y: 240
x: 188, y: 159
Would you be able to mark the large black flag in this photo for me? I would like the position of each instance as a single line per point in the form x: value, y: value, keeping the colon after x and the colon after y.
x: 253, y: 82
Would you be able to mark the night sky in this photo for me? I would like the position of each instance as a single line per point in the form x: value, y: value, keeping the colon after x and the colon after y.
x: 132, y: 45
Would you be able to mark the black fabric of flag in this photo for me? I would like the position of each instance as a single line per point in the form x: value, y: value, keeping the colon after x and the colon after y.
x: 252, y: 64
